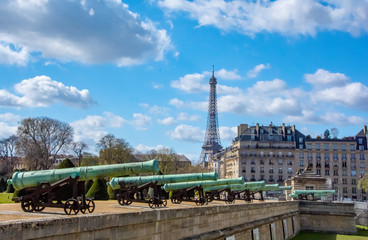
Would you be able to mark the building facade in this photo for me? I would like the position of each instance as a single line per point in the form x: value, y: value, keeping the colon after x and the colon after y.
x: 276, y: 153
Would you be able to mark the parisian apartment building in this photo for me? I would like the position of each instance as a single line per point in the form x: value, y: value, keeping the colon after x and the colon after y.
x: 277, y: 153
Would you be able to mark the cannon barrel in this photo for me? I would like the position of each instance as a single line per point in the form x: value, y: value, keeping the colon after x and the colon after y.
x: 182, y: 185
x: 235, y: 187
x: 312, y: 191
x: 116, y: 182
x: 22, y: 180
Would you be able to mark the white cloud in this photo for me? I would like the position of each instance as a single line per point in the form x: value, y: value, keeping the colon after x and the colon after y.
x: 287, y: 17
x: 227, y: 133
x: 144, y: 148
x: 187, y: 133
x: 10, y: 118
x: 42, y: 91
x: 90, y: 32
x: 196, y: 82
x: 227, y: 75
x: 167, y: 121
x: 185, y: 117
x: 12, y: 56
x: 257, y: 70
x: 175, y: 102
x: 94, y: 127
x: 323, y: 78
x: 7, y: 130
x: 141, y: 121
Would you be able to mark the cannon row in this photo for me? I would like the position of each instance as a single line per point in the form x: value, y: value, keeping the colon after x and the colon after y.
x: 43, y: 187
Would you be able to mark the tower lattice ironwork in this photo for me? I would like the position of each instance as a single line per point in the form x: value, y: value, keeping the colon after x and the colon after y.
x: 212, y: 143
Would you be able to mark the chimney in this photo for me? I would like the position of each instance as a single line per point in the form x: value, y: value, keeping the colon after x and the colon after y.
x: 293, y: 128
x: 257, y: 129
x: 365, y: 129
x: 283, y: 130
x: 242, y: 128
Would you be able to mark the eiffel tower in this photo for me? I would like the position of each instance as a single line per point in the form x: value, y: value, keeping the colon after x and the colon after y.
x: 212, y: 143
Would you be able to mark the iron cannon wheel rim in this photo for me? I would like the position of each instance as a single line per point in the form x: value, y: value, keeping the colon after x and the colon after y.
x: 27, y: 205
x: 71, y: 205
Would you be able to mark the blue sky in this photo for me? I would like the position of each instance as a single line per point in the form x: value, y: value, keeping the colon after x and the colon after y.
x: 140, y: 69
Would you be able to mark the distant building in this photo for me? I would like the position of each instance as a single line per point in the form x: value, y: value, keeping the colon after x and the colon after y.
x: 277, y: 153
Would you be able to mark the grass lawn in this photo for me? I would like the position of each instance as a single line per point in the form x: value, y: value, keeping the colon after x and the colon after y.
x: 362, y: 234
x: 6, y: 197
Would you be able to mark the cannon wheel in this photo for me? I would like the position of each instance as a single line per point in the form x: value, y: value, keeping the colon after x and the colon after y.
x: 175, y: 200
x: 71, y: 206
x: 90, y: 206
x: 127, y: 201
x: 27, y: 205
x: 150, y: 203
x: 121, y: 201
x: 164, y: 202
x: 43, y: 199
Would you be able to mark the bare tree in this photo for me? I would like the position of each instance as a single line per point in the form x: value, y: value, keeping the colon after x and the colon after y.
x: 41, y: 139
x: 7, y: 154
x: 78, y: 148
x: 335, y: 133
x: 114, y: 150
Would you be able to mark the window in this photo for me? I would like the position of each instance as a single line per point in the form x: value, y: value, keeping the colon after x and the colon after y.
x: 334, y: 146
x: 261, y: 154
x: 253, y: 169
x: 262, y: 177
x: 344, y: 181
x: 327, y: 156
x: 353, y: 173
x: 244, y: 162
x: 309, y: 187
x: 280, y: 178
x: 318, y: 171
x: 252, y: 137
x: 290, y: 163
x: 344, y: 173
x: 280, y: 170
x: 271, y: 162
x: 271, y: 138
x: 336, y: 181
x: 280, y: 162
x: 362, y: 173
x: 244, y: 170
x: 361, y: 147
x: 301, y: 155
x: 318, y: 156
x: 352, y: 156
x: 288, y: 131
x: 310, y: 156
x: 327, y: 172
x: 362, y: 156
x: 255, y: 234
x: 344, y: 164
x: 343, y: 147
x: 261, y: 162
x: 318, y: 146
x: 301, y: 139
x: 280, y: 154
x: 352, y: 147
x: 262, y: 170
x: 273, y: 231
x: 326, y: 146
x: 252, y: 162
x: 301, y: 163
x: 353, y: 181
x: 309, y: 146
x: 270, y: 170
x: 290, y: 171
x: 336, y: 172
x: 335, y: 156
x: 362, y: 165
x: 360, y: 140
x: 345, y: 190
x: 271, y: 178
x: 343, y: 156
x: 353, y: 190
x: 289, y: 138
x: 300, y: 146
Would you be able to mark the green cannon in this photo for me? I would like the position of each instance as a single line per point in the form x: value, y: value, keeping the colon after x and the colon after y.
x: 183, y: 185
x: 131, y: 189
x: 22, y: 180
x: 187, y: 191
x: 303, y: 194
x: 233, y: 187
x: 116, y: 182
x: 43, y: 188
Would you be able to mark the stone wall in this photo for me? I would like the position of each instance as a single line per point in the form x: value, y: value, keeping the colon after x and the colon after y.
x: 327, y: 217
x: 236, y: 221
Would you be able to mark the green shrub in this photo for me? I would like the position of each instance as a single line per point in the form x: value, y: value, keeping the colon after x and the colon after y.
x: 3, y: 185
x: 88, y: 185
x: 10, y: 189
x: 98, y: 190
x: 66, y: 163
x: 112, y: 193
